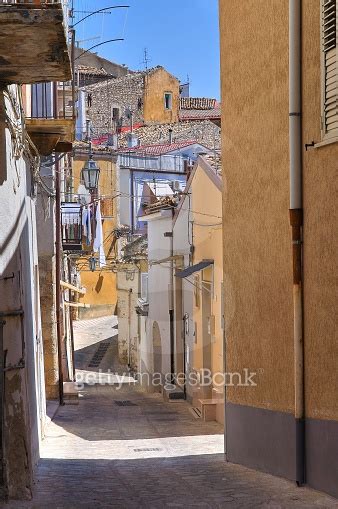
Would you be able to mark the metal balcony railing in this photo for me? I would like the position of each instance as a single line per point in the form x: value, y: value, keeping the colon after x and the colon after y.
x: 52, y: 101
x: 166, y: 163
x: 71, y: 226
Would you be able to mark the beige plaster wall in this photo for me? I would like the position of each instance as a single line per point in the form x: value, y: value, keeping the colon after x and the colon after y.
x: 257, y: 247
x: 320, y: 236
x: 207, y: 234
x: 256, y: 232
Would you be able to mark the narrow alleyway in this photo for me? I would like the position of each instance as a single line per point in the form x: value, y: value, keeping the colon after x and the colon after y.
x: 122, y: 448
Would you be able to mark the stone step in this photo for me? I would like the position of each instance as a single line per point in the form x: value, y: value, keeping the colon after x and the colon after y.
x: 70, y: 393
x: 172, y: 392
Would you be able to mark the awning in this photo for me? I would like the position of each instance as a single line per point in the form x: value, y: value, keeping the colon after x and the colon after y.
x: 194, y: 268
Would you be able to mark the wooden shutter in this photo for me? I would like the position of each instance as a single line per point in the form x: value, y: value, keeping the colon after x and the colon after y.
x: 107, y: 207
x: 330, y: 85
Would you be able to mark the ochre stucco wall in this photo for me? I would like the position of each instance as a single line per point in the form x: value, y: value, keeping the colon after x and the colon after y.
x: 256, y: 232
x: 320, y: 236
x: 101, y: 284
x: 257, y: 245
x: 157, y: 83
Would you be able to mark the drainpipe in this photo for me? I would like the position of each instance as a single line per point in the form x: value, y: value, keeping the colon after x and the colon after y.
x: 58, y: 272
x: 130, y: 291
x: 296, y: 222
x: 171, y: 308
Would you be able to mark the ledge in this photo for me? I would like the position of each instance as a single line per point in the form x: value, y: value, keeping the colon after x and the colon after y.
x: 328, y: 141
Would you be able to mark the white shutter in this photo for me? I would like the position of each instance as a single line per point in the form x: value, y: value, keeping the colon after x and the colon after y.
x: 144, y: 286
x: 330, y: 85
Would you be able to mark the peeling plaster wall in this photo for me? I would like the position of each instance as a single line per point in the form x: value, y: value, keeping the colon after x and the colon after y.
x: 46, y: 248
x: 24, y: 388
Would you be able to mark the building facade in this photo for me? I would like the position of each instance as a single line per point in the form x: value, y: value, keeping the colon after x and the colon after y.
x: 100, y: 298
x: 23, y: 195
x: 198, y: 288
x: 279, y: 291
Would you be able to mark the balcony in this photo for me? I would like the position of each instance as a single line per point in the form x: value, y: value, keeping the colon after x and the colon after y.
x: 50, y: 117
x: 165, y: 163
x: 71, y: 226
x: 33, y: 42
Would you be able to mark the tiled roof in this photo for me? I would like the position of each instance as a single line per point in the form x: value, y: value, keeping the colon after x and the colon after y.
x: 165, y: 202
x: 85, y: 69
x: 204, y: 132
x: 132, y: 75
x: 159, y: 149
x: 197, y: 103
x: 200, y: 114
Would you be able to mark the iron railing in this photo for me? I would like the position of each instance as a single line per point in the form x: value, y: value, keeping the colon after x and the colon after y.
x: 52, y: 101
x: 165, y: 163
x: 71, y: 226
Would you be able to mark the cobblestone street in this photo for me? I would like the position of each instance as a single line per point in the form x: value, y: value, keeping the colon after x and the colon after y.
x: 122, y: 448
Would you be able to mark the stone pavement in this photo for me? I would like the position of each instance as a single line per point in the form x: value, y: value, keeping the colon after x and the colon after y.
x: 122, y: 448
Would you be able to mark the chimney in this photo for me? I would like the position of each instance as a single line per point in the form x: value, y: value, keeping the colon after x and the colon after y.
x: 170, y: 136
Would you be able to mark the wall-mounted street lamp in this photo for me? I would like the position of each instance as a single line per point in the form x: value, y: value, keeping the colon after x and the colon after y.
x: 90, y: 174
x: 92, y: 263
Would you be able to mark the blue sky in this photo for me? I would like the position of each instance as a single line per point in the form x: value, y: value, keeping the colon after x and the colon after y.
x: 181, y: 35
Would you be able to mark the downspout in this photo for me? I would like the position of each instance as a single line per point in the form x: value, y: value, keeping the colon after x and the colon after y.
x: 296, y: 222
x: 171, y: 308
x: 129, y: 327
x: 58, y: 273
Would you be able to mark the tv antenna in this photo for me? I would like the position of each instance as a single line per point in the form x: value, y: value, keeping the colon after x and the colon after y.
x: 146, y: 59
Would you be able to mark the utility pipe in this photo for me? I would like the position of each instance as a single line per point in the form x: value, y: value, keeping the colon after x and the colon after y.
x: 296, y: 222
x: 58, y: 273
x: 129, y: 327
x: 171, y: 307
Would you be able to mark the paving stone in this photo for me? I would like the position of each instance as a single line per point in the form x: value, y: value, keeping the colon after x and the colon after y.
x: 101, y: 455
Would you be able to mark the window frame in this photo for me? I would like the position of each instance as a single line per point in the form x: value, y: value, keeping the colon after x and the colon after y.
x: 170, y: 95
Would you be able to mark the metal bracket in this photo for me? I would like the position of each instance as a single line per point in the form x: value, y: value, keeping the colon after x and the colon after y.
x: 308, y: 145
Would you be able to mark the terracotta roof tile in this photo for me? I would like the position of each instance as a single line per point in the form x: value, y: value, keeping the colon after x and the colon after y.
x: 197, y: 103
x: 159, y: 149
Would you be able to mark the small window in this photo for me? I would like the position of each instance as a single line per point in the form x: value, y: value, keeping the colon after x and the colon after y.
x: 116, y: 114
x: 168, y: 100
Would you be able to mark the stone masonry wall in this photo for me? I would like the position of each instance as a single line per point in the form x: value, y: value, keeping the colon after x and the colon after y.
x: 123, y: 93
x: 48, y: 321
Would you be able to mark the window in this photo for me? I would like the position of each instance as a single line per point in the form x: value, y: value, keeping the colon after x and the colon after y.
x: 144, y: 286
x: 107, y: 207
x: 329, y: 69
x: 168, y: 100
x: 116, y: 114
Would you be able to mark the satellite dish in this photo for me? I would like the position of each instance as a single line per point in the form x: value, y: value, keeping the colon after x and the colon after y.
x: 84, y: 195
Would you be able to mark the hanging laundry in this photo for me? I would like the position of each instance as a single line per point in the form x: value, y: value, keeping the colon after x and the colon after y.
x: 87, y: 225
x: 98, y: 241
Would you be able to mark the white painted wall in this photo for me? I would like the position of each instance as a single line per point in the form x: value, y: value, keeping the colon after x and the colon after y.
x: 158, y: 289
x: 19, y: 257
x: 127, y: 297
